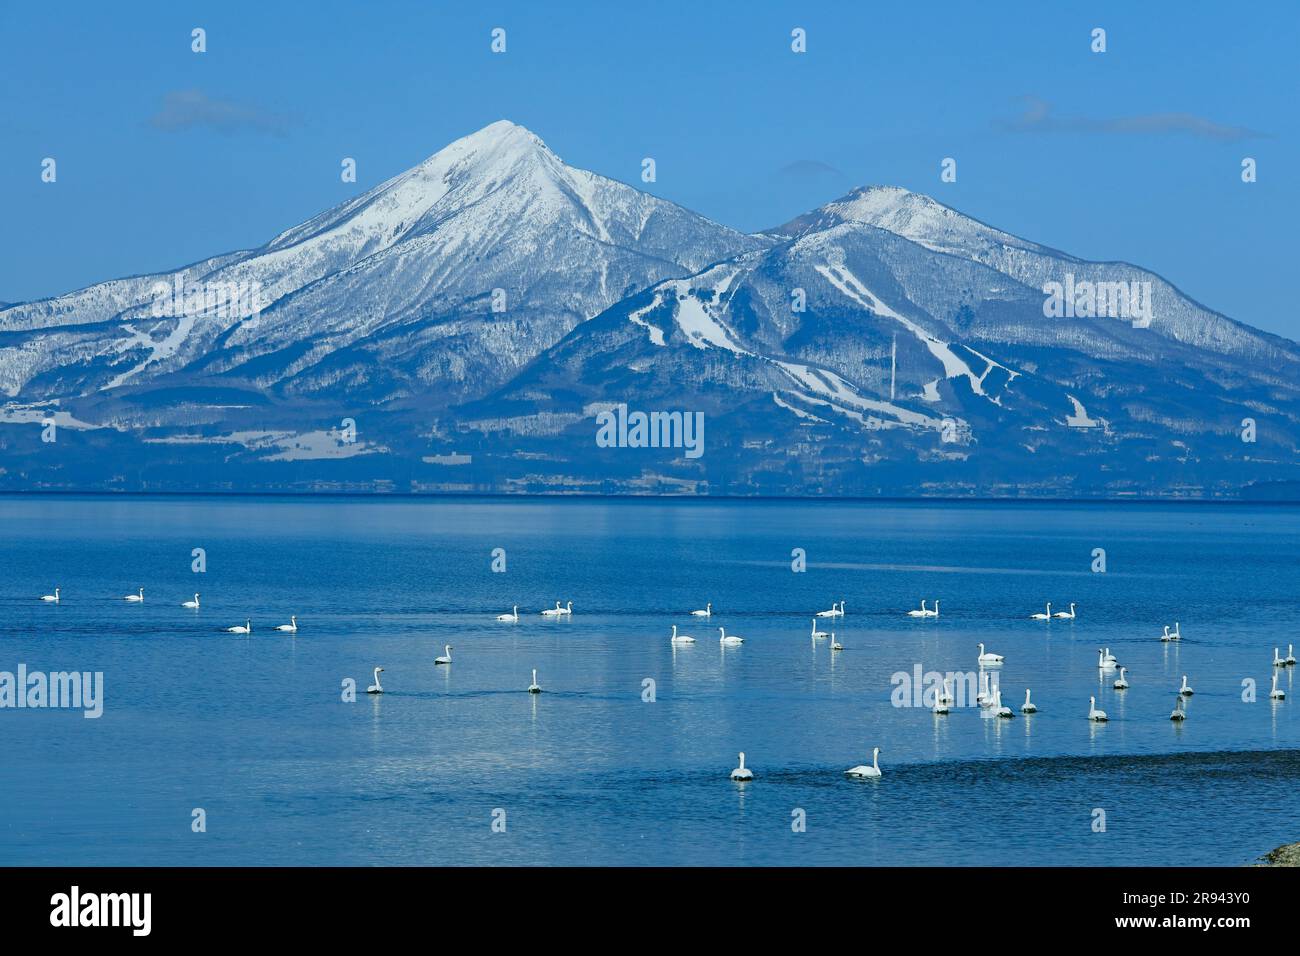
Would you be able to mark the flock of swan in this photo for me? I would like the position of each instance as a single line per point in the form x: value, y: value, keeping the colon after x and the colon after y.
x: 989, y: 695
x: 192, y: 604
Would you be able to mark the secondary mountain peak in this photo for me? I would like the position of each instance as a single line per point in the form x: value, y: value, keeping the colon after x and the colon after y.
x: 911, y: 215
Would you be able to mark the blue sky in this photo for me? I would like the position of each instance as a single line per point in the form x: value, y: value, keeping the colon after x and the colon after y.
x: 166, y: 156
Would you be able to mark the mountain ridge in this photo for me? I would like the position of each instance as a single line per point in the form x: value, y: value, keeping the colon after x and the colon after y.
x: 883, y: 343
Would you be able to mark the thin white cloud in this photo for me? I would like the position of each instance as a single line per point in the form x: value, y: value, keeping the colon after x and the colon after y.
x: 194, y: 109
x: 1037, y: 117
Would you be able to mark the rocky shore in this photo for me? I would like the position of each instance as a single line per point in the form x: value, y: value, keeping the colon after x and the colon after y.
x: 1288, y: 855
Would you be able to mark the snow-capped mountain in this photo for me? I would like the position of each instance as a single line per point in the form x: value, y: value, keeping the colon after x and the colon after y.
x: 468, y: 325
x: 441, y: 281
x: 889, y: 343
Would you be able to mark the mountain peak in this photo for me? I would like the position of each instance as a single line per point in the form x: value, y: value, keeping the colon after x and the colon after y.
x: 913, y: 216
x: 500, y: 139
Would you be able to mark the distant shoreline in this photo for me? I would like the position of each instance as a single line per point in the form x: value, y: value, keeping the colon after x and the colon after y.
x: 657, y: 498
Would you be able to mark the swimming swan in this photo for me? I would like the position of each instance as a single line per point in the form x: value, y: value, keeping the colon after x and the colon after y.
x: 945, y: 692
x: 1166, y: 636
x: 1177, y: 634
x: 681, y: 638
x: 376, y: 687
x: 989, y: 658
x: 567, y: 610
x: 51, y: 597
x: 833, y: 612
x: 1068, y: 615
x: 741, y: 773
x: 1290, y: 655
x: 246, y: 628
x: 534, y: 687
x: 446, y: 657
x: 921, y: 613
x: 1179, y: 713
x: 1276, y: 693
x: 513, y: 616
x: 1043, y: 615
x: 984, y: 697
x: 731, y: 640
x: 194, y: 603
x: 291, y: 627
x: 941, y: 701
x: 1185, y: 690
x: 998, y: 709
x: 707, y: 612
x: 835, y: 645
x: 1121, y: 683
x: 558, y: 611
x: 135, y: 597
x: 1106, y: 660
x: 1093, y: 712
x: 816, y: 633
x: 1278, y: 659
x: 1028, y: 707
x: 862, y: 770
x: 934, y: 611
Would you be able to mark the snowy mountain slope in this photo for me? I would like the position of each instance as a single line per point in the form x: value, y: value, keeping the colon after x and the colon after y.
x: 391, y: 291
x: 792, y: 346
x: 471, y: 317
x: 937, y: 227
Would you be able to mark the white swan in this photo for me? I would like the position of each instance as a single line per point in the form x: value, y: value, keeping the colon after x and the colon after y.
x: 741, y: 773
x: 1121, y: 683
x: 941, y: 700
x: 245, y: 628
x: 1179, y: 713
x: 921, y: 613
x: 135, y: 597
x: 566, y: 610
x: 51, y: 597
x: 1106, y: 661
x: 1166, y: 636
x: 862, y: 770
x: 681, y: 638
x: 731, y: 640
x: 934, y: 611
x: 707, y: 612
x: 291, y: 627
x: 1177, y: 635
x: 1093, y: 712
x: 534, y: 687
x: 194, y: 603
x: 1185, y: 690
x: 835, y: 645
x: 446, y: 657
x: 816, y: 634
x: 989, y: 658
x: 376, y: 687
x: 1278, y: 659
x: 554, y: 611
x: 833, y: 612
x: 998, y: 709
x: 1068, y: 615
x: 984, y: 696
x: 1028, y: 707
x: 513, y: 616
x: 1276, y: 693
x: 1290, y: 655
x: 1043, y: 615
x: 945, y: 692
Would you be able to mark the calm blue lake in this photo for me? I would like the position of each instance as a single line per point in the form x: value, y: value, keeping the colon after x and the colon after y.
x: 254, y: 730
